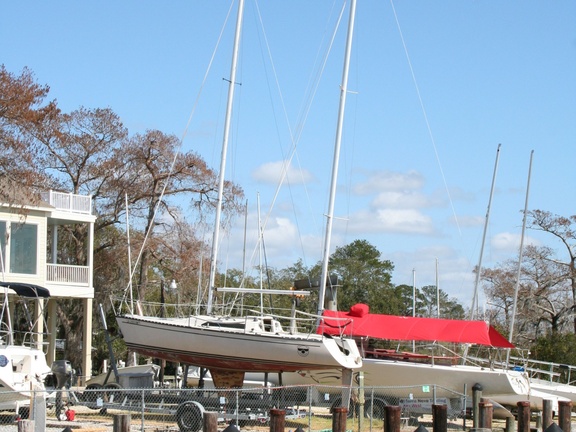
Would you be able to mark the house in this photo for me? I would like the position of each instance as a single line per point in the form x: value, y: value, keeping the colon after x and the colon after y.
x: 29, y: 254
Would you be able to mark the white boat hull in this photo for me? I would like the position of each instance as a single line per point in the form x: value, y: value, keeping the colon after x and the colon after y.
x: 22, y: 371
x: 562, y: 390
x: 228, y: 348
x: 506, y: 387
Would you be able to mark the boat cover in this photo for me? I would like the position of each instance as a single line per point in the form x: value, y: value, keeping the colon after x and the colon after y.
x: 26, y: 290
x: 359, y: 322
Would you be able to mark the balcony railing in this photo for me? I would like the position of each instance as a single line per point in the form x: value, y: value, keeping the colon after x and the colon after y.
x: 69, y: 202
x: 68, y: 274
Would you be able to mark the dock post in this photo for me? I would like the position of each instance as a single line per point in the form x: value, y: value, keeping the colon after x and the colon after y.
x: 121, y: 423
x: 278, y: 420
x: 523, y: 416
x: 392, y: 418
x: 339, y: 416
x: 26, y: 426
x: 564, y: 412
x: 546, y: 414
x: 509, y: 424
x: 476, y: 397
x: 210, y: 422
x: 439, y: 418
x: 486, y: 410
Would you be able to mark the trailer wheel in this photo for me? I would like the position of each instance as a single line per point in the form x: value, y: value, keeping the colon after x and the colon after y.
x: 189, y: 416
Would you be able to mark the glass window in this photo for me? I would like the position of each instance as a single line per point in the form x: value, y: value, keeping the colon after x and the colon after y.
x: 23, y: 247
x: 2, y: 246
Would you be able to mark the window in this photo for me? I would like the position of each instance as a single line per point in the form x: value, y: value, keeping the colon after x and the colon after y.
x: 23, y: 248
x: 2, y: 246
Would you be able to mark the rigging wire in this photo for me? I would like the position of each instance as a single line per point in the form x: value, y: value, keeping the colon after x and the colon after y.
x: 414, y: 80
x: 296, y: 136
x: 178, y: 151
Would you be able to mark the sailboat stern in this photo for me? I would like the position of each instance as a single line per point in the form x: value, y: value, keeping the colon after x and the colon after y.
x: 344, y: 351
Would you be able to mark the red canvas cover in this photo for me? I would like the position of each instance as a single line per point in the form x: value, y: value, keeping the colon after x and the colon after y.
x: 360, y: 322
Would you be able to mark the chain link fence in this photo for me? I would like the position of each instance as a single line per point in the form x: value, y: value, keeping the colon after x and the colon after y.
x: 307, y: 407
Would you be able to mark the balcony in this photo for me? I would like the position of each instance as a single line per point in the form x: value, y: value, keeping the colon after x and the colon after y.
x: 68, y: 274
x: 69, y: 202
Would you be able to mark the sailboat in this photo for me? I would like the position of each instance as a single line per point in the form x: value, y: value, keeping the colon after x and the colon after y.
x: 23, y: 366
x: 230, y: 345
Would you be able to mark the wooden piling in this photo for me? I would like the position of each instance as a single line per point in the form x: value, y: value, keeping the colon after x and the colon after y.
x: 210, y: 422
x: 523, y: 416
x: 339, y: 416
x: 439, y: 418
x: 564, y: 413
x: 392, y: 418
x: 278, y: 420
x: 121, y: 423
x: 486, y: 410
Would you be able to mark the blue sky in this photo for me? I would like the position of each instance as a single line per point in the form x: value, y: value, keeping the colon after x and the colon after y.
x: 434, y: 88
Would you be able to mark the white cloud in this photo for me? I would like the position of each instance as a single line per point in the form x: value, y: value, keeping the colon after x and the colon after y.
x: 272, y: 172
x: 389, y: 181
x: 510, y: 242
x: 405, y: 221
x: 394, y: 199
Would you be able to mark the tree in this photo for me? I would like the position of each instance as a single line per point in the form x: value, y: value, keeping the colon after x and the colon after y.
x: 365, y: 277
x: 428, y: 300
x: 563, y: 229
x: 541, y: 305
x: 23, y: 108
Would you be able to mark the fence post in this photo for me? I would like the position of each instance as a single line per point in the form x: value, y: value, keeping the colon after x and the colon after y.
x: 439, y: 418
x: 486, y: 410
x: 546, y: 414
x: 121, y: 423
x: 523, y: 416
x: 564, y: 412
x: 210, y: 422
x: 392, y: 418
x: 339, y: 419
x: 277, y: 420
x: 26, y: 426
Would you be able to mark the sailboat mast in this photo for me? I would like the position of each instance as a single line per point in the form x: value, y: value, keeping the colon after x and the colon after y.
x: 336, y: 160
x: 479, y: 268
x: 227, y: 121
x: 517, y: 287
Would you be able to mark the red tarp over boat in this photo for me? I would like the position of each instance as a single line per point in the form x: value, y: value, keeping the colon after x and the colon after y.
x: 359, y: 322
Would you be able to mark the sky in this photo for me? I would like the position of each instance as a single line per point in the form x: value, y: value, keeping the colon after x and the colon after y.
x: 434, y: 88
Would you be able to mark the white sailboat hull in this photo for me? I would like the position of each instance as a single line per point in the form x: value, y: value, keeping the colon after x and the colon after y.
x: 506, y: 387
x: 231, y: 344
x: 562, y: 390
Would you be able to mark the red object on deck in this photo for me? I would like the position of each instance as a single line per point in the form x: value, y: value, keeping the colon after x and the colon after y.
x: 359, y: 322
x: 70, y: 414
